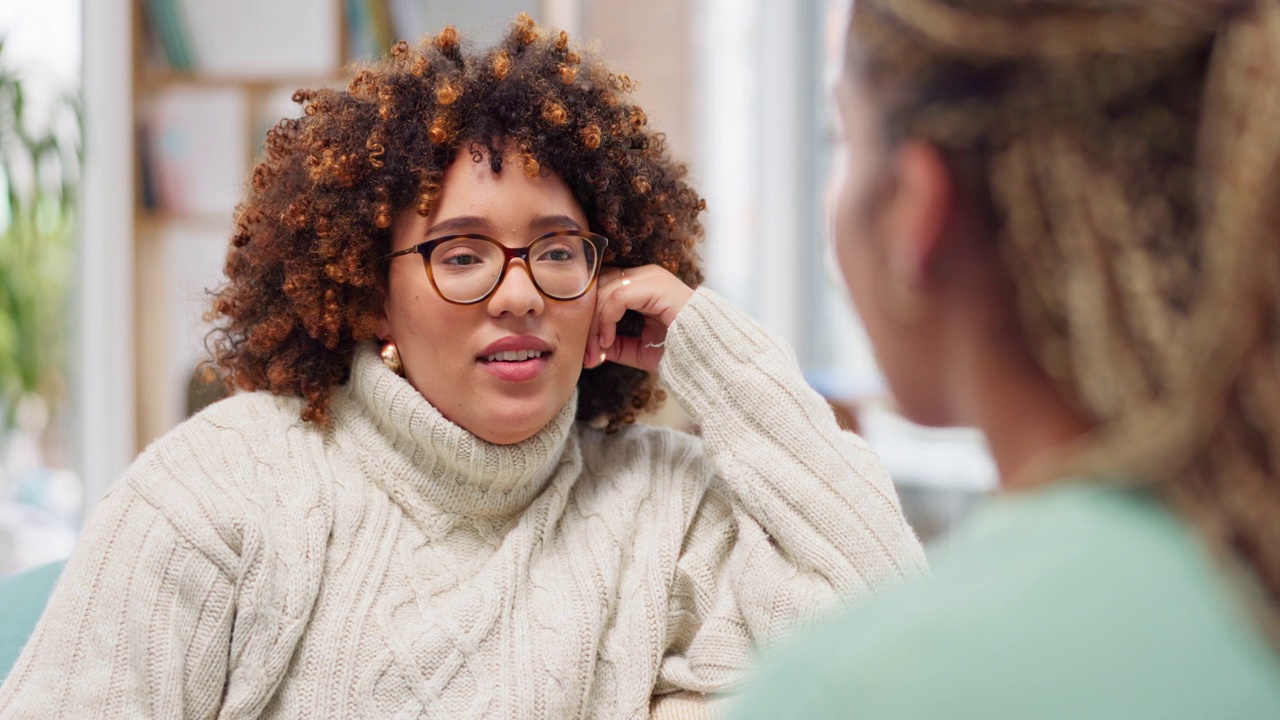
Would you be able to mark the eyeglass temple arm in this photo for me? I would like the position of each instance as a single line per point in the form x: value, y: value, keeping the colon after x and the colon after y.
x: 398, y: 253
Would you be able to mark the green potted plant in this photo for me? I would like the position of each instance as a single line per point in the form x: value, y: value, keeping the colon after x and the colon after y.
x: 40, y: 160
x: 39, y: 176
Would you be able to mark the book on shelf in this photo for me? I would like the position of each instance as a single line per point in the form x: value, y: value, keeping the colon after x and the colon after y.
x: 246, y: 39
x: 373, y: 25
x: 364, y: 41
x: 194, y: 151
x: 166, y: 29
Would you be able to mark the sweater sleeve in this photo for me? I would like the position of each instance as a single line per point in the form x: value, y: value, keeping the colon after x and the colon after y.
x: 138, y: 625
x: 192, y: 581
x: 798, y: 516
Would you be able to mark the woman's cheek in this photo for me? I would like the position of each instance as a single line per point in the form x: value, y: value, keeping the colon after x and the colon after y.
x: 586, y: 317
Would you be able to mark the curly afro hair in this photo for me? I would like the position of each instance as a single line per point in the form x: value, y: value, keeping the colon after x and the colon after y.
x: 304, y: 271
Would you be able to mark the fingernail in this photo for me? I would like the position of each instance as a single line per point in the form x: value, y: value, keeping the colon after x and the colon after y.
x: 601, y: 359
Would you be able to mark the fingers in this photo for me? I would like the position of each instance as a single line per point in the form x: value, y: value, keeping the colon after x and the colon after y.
x: 637, y: 352
x: 612, y: 303
x: 595, y: 354
x: 649, y: 290
x: 593, y: 357
x: 630, y: 352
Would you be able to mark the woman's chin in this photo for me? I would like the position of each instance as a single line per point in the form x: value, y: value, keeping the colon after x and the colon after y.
x: 506, y: 438
x: 512, y: 422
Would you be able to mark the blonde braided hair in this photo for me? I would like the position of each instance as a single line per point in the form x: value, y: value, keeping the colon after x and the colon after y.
x: 1129, y: 151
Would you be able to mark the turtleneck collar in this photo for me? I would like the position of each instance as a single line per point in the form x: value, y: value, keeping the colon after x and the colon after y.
x: 446, y: 465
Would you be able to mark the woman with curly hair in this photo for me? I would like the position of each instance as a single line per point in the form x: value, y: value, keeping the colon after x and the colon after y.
x: 1059, y: 222
x: 432, y: 499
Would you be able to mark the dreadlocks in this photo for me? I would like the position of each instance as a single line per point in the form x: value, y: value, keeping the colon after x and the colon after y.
x: 1130, y: 154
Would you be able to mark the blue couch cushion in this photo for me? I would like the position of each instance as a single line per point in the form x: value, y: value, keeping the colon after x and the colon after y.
x: 23, y: 597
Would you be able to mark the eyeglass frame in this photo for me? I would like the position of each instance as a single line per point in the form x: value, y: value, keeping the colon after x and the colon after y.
x: 426, y: 247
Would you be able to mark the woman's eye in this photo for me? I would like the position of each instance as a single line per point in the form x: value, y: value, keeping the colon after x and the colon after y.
x: 462, y: 259
x: 558, y: 254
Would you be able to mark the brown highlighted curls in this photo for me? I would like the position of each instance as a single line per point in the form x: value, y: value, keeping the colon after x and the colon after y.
x: 303, y: 277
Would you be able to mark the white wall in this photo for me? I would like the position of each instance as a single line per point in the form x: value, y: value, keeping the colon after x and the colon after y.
x: 102, y: 362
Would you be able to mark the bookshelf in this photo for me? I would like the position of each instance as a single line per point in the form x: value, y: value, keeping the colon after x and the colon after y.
x: 208, y: 80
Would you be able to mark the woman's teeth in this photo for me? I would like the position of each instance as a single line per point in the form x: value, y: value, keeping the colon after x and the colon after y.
x: 513, y: 356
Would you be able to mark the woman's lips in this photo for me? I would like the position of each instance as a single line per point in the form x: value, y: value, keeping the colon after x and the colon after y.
x: 518, y: 365
x: 518, y: 371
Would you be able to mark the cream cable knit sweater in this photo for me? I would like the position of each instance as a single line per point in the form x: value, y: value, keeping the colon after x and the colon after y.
x: 395, y: 566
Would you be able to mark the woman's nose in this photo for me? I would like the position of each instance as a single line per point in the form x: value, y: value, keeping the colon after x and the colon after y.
x: 516, y: 294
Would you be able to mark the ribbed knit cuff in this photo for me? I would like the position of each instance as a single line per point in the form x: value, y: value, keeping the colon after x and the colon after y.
x: 719, y: 360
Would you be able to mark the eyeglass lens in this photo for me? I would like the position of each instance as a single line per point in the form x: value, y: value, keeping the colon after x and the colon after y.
x: 466, y: 269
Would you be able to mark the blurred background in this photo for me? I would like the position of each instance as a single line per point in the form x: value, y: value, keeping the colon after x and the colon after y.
x: 127, y: 130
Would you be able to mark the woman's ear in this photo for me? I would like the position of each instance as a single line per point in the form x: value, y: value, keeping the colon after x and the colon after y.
x: 919, y: 213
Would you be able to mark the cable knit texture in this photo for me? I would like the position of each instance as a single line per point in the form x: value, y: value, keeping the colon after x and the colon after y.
x: 396, y: 566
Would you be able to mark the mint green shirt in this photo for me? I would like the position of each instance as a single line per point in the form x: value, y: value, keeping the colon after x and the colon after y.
x: 1076, y: 601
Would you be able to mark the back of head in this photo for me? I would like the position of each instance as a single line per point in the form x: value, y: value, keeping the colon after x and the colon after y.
x: 1130, y: 154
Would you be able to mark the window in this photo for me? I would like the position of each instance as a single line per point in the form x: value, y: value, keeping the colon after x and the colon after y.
x: 766, y: 144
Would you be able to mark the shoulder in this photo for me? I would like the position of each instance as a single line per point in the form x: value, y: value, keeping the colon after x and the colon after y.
x: 251, y: 412
x: 1074, y: 601
x: 233, y: 467
x: 224, y: 440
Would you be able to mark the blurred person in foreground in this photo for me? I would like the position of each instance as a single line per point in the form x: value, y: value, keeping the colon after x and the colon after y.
x: 432, y: 500
x: 1058, y: 220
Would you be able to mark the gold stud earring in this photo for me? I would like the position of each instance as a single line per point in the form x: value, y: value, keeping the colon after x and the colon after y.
x: 390, y: 355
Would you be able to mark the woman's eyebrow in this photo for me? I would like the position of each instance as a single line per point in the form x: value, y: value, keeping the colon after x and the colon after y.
x: 554, y: 222
x: 463, y: 223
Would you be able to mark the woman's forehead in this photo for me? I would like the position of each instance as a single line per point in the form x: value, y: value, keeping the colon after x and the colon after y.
x: 471, y: 187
